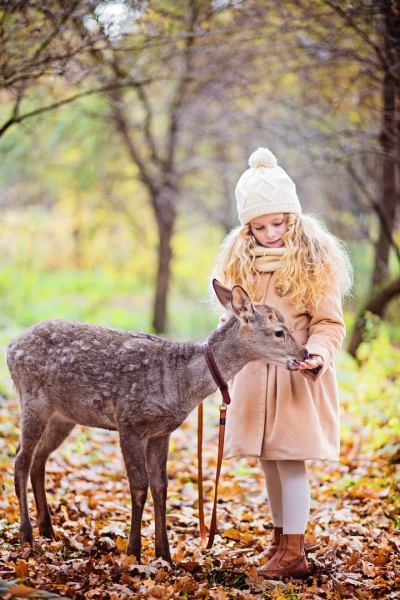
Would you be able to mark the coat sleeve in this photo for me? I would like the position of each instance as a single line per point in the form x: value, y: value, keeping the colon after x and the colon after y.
x: 326, y: 333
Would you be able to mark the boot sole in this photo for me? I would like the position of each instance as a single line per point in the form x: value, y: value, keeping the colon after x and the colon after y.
x: 277, y: 578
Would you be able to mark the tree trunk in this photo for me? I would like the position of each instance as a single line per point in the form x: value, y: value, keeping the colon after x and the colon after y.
x: 164, y: 204
x: 382, y: 293
x: 388, y: 179
x: 376, y: 305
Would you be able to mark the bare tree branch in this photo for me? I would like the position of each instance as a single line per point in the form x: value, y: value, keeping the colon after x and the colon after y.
x: 43, y: 109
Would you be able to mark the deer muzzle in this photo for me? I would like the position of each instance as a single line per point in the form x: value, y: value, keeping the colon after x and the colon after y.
x: 293, y: 364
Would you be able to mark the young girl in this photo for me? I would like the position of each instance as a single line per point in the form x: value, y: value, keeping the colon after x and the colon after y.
x: 291, y: 262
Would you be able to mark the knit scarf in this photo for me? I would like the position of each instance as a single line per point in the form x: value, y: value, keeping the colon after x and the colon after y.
x: 267, y: 260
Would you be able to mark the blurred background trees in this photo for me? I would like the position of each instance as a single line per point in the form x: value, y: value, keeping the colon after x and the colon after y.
x: 125, y: 126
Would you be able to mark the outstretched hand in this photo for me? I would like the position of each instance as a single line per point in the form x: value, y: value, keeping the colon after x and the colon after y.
x: 312, y: 363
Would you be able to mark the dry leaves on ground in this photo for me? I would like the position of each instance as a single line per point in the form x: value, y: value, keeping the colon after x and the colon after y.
x: 354, y: 523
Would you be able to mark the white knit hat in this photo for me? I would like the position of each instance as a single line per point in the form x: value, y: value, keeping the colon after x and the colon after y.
x: 265, y: 188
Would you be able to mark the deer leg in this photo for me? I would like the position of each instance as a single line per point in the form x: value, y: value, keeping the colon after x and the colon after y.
x: 33, y: 425
x: 56, y: 432
x: 156, y: 464
x: 133, y: 452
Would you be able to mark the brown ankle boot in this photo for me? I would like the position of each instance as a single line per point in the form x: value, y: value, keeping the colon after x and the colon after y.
x: 290, y: 559
x: 272, y: 549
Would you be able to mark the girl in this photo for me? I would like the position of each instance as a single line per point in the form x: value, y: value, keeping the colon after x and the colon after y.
x: 291, y: 262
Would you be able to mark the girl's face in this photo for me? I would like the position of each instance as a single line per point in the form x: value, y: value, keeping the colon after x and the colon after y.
x: 269, y: 230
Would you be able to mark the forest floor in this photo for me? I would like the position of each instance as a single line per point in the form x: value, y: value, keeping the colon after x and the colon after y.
x: 354, y: 521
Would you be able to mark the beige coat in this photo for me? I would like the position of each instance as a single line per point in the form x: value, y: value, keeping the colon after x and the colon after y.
x: 277, y: 414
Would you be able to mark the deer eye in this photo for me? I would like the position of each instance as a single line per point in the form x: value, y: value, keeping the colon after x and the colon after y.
x: 279, y: 333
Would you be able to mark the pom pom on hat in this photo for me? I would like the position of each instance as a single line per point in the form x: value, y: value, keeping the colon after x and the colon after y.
x: 263, y: 158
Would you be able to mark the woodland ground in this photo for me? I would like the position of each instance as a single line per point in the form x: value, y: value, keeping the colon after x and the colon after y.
x: 354, y: 513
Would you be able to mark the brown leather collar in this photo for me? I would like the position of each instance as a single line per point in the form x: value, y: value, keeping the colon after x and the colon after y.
x: 223, y: 386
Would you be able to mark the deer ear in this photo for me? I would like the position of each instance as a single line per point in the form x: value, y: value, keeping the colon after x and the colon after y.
x: 242, y: 305
x: 224, y: 294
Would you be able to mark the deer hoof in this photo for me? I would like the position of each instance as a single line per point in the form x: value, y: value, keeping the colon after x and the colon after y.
x: 47, y: 531
x: 26, y: 537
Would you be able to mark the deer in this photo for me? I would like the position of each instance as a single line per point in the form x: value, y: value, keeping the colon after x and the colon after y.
x: 141, y: 385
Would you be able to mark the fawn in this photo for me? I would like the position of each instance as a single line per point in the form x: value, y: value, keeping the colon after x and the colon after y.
x: 141, y: 385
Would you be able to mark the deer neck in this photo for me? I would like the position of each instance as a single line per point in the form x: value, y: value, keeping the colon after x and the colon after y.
x: 229, y: 357
x: 228, y: 352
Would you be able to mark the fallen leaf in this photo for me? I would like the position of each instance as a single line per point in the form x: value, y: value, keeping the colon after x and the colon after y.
x: 21, y: 568
x: 368, y: 569
x: 231, y: 534
x: 155, y: 592
x: 20, y: 590
x: 121, y: 544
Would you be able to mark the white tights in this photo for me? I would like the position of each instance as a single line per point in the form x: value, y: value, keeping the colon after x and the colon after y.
x: 288, y: 491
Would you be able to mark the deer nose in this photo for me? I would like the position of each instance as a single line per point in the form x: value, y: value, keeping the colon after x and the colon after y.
x: 306, y: 354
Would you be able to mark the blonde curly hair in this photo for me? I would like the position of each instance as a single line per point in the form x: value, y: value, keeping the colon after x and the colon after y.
x: 315, y: 261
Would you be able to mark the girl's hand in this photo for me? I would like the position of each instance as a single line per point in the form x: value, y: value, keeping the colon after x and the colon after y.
x: 313, y: 362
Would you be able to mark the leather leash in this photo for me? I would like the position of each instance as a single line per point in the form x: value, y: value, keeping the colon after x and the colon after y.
x: 226, y: 399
